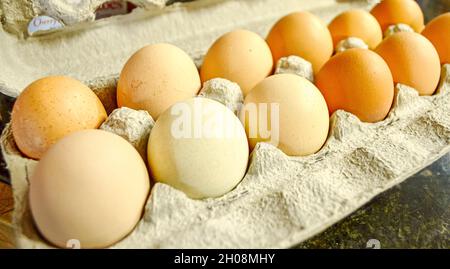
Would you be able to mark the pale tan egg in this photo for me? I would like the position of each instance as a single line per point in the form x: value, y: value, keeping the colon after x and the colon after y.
x: 358, y: 81
x: 413, y: 61
x: 156, y: 77
x: 301, y: 34
x: 288, y: 112
x: 392, y: 12
x: 356, y: 23
x: 199, y: 147
x: 91, y: 186
x: 438, y: 32
x: 51, y: 108
x: 240, y: 56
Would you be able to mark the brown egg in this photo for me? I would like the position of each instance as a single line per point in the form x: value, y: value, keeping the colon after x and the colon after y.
x: 356, y: 23
x: 91, y: 186
x: 438, y: 32
x: 413, y: 61
x: 51, y: 108
x: 391, y: 12
x: 240, y: 56
x: 304, y: 35
x: 357, y: 81
x: 156, y: 77
x: 288, y: 112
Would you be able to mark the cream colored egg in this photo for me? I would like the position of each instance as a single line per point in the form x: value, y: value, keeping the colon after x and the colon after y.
x: 51, y: 108
x: 240, y: 56
x: 199, y: 147
x: 156, y: 77
x: 287, y: 111
x: 90, y: 186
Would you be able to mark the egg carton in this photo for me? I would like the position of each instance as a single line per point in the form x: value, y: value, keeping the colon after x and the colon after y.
x: 282, y: 200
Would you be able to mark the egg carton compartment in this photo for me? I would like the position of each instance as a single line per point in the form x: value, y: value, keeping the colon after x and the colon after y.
x: 282, y: 200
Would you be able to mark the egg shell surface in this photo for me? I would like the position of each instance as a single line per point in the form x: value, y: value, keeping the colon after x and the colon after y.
x: 356, y: 23
x: 358, y: 81
x: 240, y: 56
x: 156, y: 77
x: 90, y: 186
x: 51, y: 108
x: 413, y: 61
x: 438, y: 32
x: 292, y: 109
x: 301, y: 34
x: 198, y: 146
x: 391, y: 12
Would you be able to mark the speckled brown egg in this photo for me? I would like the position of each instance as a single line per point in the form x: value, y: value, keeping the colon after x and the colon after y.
x: 302, y: 34
x: 356, y: 23
x: 438, y: 32
x: 51, y: 108
x: 413, y: 61
x: 391, y: 12
x: 240, y: 56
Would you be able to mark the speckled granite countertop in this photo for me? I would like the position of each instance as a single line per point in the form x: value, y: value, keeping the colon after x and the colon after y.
x: 6, y: 104
x: 414, y: 214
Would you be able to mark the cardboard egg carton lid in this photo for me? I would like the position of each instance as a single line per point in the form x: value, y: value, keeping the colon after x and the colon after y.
x: 282, y: 200
x: 17, y: 15
x: 95, y: 52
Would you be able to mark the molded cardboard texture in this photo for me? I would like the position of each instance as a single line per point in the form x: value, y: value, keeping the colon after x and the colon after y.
x: 16, y: 14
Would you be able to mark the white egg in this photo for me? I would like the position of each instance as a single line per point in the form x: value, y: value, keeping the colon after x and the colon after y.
x: 199, y: 147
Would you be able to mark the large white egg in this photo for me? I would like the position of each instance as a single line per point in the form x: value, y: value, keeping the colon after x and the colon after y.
x: 199, y: 147
x: 91, y: 186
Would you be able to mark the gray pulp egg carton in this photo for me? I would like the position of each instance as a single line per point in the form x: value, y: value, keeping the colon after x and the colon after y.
x: 30, y: 17
x: 282, y: 200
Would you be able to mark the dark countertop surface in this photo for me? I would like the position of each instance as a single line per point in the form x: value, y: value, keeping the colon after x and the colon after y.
x: 414, y: 214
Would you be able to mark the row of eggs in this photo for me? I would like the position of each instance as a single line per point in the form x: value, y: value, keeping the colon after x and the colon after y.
x: 87, y: 180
